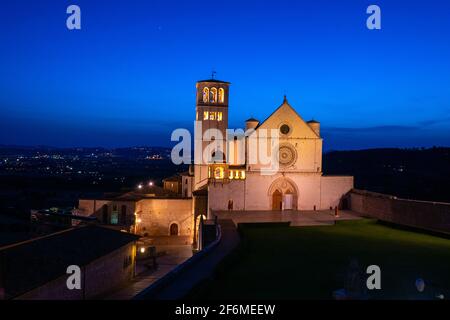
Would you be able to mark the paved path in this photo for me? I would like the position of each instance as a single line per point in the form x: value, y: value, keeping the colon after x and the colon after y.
x: 202, y: 269
x: 175, y: 255
x: 297, y: 218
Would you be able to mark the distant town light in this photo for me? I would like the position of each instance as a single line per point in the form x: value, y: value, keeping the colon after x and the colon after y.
x: 150, y: 183
x: 142, y: 250
x: 138, y: 220
x: 140, y: 186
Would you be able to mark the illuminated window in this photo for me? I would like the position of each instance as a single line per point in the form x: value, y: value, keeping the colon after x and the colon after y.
x: 213, y: 95
x: 242, y: 174
x: 218, y: 173
x: 211, y: 115
x: 221, y: 95
x: 205, y: 95
x: 230, y: 175
x: 236, y: 174
x: 114, y: 218
x: 114, y: 215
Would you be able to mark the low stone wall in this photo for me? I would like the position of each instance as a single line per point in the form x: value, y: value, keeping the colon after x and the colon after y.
x: 433, y: 216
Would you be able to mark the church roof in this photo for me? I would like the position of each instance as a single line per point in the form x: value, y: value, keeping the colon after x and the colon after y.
x: 313, y: 121
x: 252, y: 120
x: 214, y: 80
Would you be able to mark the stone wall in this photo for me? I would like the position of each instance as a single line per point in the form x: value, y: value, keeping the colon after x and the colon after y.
x: 153, y: 216
x: 433, y: 216
x: 255, y: 193
x: 157, y: 215
x: 333, y: 188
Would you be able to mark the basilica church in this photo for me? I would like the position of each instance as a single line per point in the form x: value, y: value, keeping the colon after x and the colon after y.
x: 297, y: 183
x: 228, y: 179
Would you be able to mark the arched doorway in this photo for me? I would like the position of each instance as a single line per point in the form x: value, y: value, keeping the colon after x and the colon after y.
x: 288, y: 200
x: 174, y: 229
x: 283, y: 194
x: 277, y: 200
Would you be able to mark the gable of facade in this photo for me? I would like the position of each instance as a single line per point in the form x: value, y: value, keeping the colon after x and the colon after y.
x: 299, y: 146
x: 286, y: 115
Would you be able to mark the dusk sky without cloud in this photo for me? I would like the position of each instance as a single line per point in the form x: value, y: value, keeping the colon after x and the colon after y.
x: 128, y: 76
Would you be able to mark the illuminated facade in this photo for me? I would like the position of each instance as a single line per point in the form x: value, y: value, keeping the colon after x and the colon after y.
x: 228, y: 179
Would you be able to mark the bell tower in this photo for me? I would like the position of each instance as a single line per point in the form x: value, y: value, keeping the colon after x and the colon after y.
x: 211, y: 113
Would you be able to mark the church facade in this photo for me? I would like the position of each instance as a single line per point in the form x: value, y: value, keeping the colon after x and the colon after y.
x: 230, y: 180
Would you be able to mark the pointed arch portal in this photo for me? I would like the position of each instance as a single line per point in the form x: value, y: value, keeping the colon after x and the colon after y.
x: 277, y: 200
x: 283, y: 194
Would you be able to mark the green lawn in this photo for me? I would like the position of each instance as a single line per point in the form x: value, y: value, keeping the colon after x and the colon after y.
x: 310, y: 262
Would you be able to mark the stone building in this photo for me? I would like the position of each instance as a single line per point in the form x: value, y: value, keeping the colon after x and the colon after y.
x: 238, y: 183
x: 173, y: 184
x: 150, y: 211
x: 36, y: 269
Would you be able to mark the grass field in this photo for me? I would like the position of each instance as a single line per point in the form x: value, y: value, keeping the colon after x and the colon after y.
x: 277, y: 262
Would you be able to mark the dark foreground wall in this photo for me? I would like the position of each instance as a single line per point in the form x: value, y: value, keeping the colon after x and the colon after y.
x: 100, y: 276
x: 420, y: 214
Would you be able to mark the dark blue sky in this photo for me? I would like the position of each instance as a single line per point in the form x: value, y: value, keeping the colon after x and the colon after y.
x: 128, y: 77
